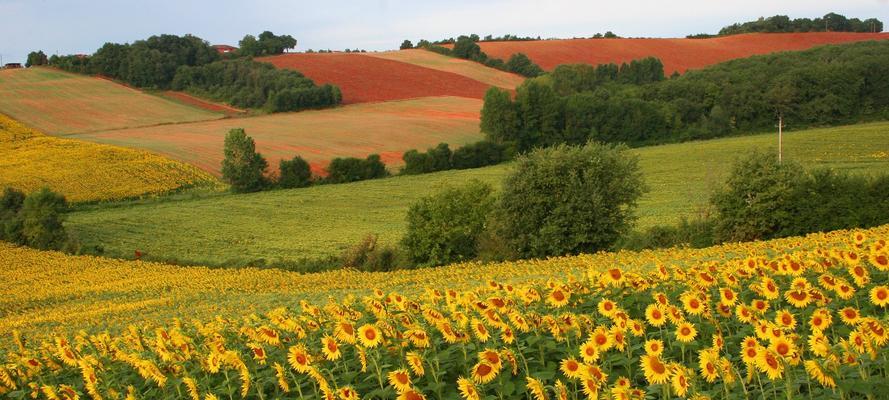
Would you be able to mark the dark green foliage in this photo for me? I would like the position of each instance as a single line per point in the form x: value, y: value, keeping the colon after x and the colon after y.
x: 828, y: 200
x: 247, y: 83
x: 243, y: 168
x: 41, y: 219
x: 10, y: 220
x: 368, y: 255
x: 406, y: 45
x: 267, y: 44
x: 569, y: 199
x: 351, y: 169
x: 467, y: 48
x: 695, y: 233
x: 478, y: 154
x: 520, y: 64
x: 36, y: 58
x: 757, y: 200
x: 436, y: 158
x: 831, y: 22
x: 444, y: 228
x: 634, y: 104
x: 294, y: 173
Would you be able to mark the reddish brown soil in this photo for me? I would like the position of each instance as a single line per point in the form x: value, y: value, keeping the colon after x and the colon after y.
x: 676, y: 54
x: 367, y: 79
x: 200, y: 103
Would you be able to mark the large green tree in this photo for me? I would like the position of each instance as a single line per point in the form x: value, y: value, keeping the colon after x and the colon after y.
x: 243, y: 168
x: 569, y: 199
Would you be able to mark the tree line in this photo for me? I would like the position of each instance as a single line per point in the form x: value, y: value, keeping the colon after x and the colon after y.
x: 188, y: 63
x: 830, y: 22
x: 634, y: 104
x: 467, y: 48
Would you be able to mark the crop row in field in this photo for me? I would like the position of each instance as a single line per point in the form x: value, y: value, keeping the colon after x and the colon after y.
x: 324, y: 220
x: 388, y: 129
x: 84, y: 171
x: 799, y: 317
x: 61, y: 103
x: 676, y: 54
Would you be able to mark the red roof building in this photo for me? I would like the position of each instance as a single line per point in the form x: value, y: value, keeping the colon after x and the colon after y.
x: 224, y: 48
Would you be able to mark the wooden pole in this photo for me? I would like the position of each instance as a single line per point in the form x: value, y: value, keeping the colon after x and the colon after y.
x: 780, y: 136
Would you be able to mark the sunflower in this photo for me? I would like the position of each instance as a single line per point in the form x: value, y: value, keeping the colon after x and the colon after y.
x: 880, y: 260
x: 686, y: 332
x: 744, y: 313
x: 281, y: 377
x: 536, y: 388
x: 750, y: 354
x: 654, y: 347
x: 655, y: 316
x: 783, y: 348
x: 727, y: 296
x: 601, y: 339
x: 571, y: 368
x: 707, y: 362
x: 347, y: 393
x: 817, y: 373
x: 613, y: 277
x: 844, y: 290
x: 467, y: 389
x: 679, y: 381
x: 590, y: 388
x: 419, y: 338
x: 369, y: 335
x: 859, y: 341
x: 655, y: 370
x: 299, y: 359
x: 769, y: 364
x: 400, y: 380
x: 607, y: 307
x: 191, y: 385
x: 258, y: 352
x: 769, y: 288
x: 411, y: 395
x: 483, y: 373
x: 785, y: 319
x: 859, y: 275
x: 558, y: 297
x: 759, y: 306
x: 798, y: 298
x: 492, y: 357
x: 561, y: 390
x: 850, y: 316
x: 415, y: 362
x: 693, y: 305
x: 345, y: 331
x: 330, y: 348
x: 819, y: 344
x: 820, y: 320
x: 879, y: 296
x: 480, y: 330
x: 877, y: 332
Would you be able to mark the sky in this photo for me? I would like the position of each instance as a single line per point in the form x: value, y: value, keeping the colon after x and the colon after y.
x: 81, y: 26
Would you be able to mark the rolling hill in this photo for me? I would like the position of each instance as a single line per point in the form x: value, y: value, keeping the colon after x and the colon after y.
x: 62, y: 103
x: 676, y: 54
x: 387, y: 128
x: 324, y: 220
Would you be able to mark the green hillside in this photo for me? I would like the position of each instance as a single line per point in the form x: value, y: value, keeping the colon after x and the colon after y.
x: 323, y: 220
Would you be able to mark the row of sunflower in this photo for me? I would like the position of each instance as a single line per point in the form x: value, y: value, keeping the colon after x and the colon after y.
x: 806, y: 322
x: 84, y: 171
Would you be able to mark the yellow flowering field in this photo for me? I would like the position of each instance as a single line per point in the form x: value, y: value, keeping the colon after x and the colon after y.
x: 85, y: 171
x: 790, y: 318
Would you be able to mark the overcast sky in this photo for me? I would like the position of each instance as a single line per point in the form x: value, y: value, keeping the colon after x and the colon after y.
x: 81, y: 26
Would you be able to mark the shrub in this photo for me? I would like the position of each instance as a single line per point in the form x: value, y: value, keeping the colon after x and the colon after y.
x: 696, y: 233
x: 479, y: 154
x: 351, y: 169
x: 368, y: 255
x: 406, y: 44
x: 10, y: 219
x: 243, y: 168
x: 443, y: 228
x: 294, y: 173
x: 520, y: 63
x: 41, y: 218
x: 757, y: 200
x: 569, y: 199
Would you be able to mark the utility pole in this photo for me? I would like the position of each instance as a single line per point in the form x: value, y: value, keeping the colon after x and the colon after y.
x: 780, y: 135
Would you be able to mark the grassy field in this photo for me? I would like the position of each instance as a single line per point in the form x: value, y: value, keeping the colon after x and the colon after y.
x: 84, y: 171
x: 388, y: 128
x: 469, y: 69
x: 324, y: 220
x: 61, y: 103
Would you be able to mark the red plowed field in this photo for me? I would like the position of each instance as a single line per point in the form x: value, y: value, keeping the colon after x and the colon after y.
x: 676, y: 54
x: 365, y: 79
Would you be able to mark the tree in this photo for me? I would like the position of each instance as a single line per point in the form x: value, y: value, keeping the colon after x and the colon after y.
x: 351, y: 169
x: 499, y: 116
x: 569, y: 200
x: 36, y: 58
x: 467, y: 48
x: 757, y: 199
x: 520, y: 63
x: 10, y: 218
x: 294, y: 173
x: 406, y: 45
x: 243, y: 168
x: 41, y: 217
x: 443, y: 228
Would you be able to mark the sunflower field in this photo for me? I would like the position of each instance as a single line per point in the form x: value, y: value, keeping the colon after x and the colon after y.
x: 84, y: 171
x: 787, y: 319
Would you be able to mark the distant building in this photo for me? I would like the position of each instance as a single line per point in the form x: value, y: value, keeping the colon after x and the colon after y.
x: 223, y: 48
x: 12, y: 65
